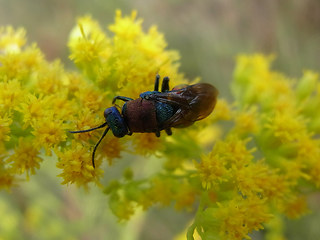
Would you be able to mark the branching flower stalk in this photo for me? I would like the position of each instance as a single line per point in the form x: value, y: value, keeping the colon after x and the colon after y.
x: 259, y: 171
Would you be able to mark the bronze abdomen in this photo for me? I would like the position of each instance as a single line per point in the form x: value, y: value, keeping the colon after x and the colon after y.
x: 140, y: 115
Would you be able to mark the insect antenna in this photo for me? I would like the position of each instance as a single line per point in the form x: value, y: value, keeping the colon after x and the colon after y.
x: 97, y: 144
x: 89, y: 130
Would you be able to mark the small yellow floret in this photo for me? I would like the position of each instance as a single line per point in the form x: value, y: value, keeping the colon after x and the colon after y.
x: 211, y: 170
x: 76, y: 166
x: 26, y: 157
x: 286, y: 127
x: 11, y: 40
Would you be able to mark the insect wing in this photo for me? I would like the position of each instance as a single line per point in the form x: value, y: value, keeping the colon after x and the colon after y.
x: 193, y: 103
x: 204, y: 101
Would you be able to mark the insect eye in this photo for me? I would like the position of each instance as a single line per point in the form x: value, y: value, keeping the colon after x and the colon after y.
x: 107, y: 112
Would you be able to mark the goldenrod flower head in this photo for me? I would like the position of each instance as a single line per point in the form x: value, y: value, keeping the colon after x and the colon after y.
x: 5, y: 122
x: 246, y: 121
x: 49, y: 133
x: 185, y: 197
x: 22, y: 66
x: 121, y: 206
x: 50, y: 78
x: 308, y: 149
x: 128, y: 27
x: 296, y: 207
x: 88, y: 43
x: 26, y: 157
x: 222, y: 110
x: 111, y: 148
x: 146, y: 143
x: 211, y: 170
x: 34, y: 108
x: 76, y: 165
x: 251, y: 179
x: 252, y: 77
x: 11, y: 40
x: 240, y: 216
x: 11, y: 94
x: 207, y: 135
x: 7, y: 179
x: 307, y: 84
x: 161, y: 190
x: 286, y: 127
x: 234, y: 151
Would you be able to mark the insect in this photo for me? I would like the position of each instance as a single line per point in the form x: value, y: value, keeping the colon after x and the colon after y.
x: 155, y: 111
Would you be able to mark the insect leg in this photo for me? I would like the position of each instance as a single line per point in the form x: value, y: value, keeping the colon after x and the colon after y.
x: 165, y: 84
x: 97, y: 144
x: 125, y: 99
x: 156, y: 83
x: 168, y: 131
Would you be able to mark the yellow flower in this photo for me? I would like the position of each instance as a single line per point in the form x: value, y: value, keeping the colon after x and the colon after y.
x: 294, y: 170
x: 258, y: 178
x: 286, y: 127
x: 26, y: 157
x: 211, y: 170
x: 308, y: 149
x: 21, y: 65
x: 152, y: 43
x: 34, y: 108
x: 11, y: 94
x: 111, y: 148
x: 7, y: 179
x: 88, y: 42
x: 76, y: 164
x: 247, y: 121
x: 252, y: 78
x: 296, y: 207
x: 234, y: 151
x: 86, y: 121
x: 146, y: 143
x: 206, y: 135
x: 240, y: 216
x: 50, y: 78
x: 91, y: 98
x: 185, y: 196
x: 307, y: 84
x: 11, y: 40
x: 127, y: 28
x: 222, y: 110
x: 121, y: 207
x: 5, y: 122
x: 161, y: 191
x: 49, y: 132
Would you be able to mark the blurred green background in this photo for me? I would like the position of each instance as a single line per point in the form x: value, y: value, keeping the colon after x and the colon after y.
x: 209, y: 34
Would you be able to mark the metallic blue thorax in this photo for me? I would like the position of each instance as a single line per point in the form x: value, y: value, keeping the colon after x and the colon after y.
x: 146, y: 95
x: 164, y: 111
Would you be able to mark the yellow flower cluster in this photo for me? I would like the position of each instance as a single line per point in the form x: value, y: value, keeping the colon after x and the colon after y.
x: 269, y: 157
x: 40, y: 101
x: 258, y: 171
x: 30, y: 120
